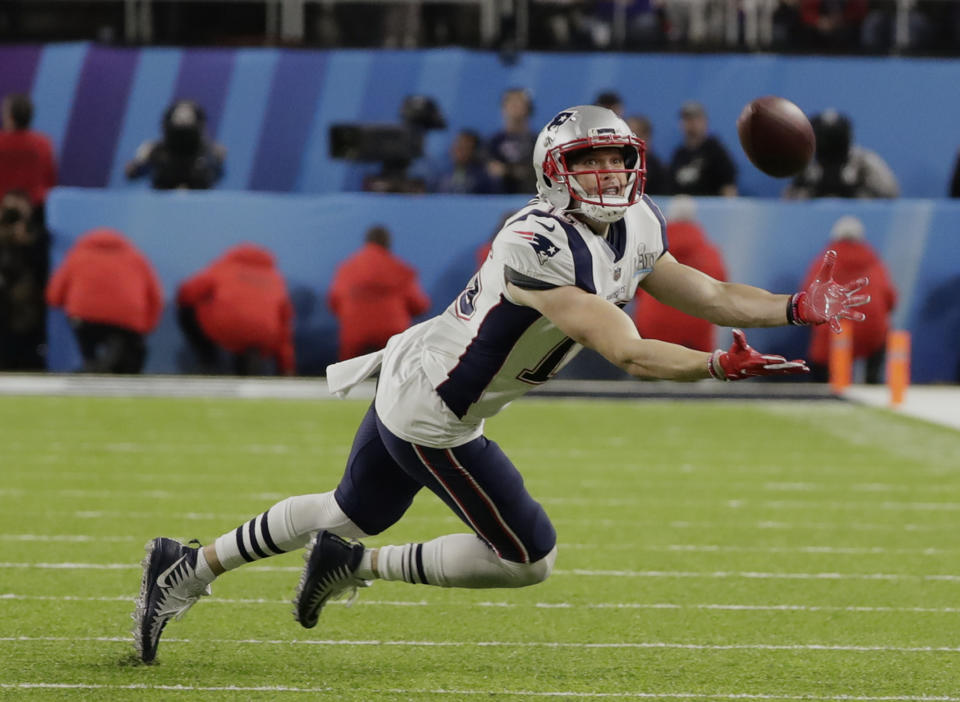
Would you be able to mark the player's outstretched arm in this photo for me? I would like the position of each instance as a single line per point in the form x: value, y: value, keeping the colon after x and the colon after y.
x: 825, y: 301
x: 743, y: 361
x: 738, y: 305
x: 726, y: 304
x: 597, y: 324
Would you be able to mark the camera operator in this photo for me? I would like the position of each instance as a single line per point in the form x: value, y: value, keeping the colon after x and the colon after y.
x: 841, y: 167
x: 394, y: 146
x: 185, y: 157
x: 24, y: 250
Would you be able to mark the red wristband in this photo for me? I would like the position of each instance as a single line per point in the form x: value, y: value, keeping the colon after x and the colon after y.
x: 793, y: 309
x: 711, y: 368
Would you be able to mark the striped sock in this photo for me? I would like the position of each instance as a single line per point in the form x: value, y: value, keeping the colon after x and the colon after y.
x: 401, y: 563
x: 284, y: 527
x: 248, y: 542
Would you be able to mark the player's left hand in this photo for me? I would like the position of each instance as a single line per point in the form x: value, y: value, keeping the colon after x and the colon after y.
x: 825, y: 300
x: 743, y: 361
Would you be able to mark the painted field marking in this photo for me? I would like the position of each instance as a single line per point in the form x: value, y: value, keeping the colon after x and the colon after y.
x: 696, y: 548
x: 488, y: 693
x: 516, y: 605
x: 751, y: 575
x: 640, y: 645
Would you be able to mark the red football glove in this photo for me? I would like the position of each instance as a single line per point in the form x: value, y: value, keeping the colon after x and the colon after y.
x: 743, y: 361
x: 825, y: 300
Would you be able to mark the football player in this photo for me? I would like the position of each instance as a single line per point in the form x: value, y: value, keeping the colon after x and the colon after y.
x: 556, y: 278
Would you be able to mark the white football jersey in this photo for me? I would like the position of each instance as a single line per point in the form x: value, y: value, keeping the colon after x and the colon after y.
x: 484, y: 350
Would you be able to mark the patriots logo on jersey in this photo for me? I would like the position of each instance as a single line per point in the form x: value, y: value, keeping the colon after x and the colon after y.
x: 542, y: 245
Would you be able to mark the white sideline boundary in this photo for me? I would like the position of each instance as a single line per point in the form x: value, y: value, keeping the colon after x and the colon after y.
x: 939, y: 404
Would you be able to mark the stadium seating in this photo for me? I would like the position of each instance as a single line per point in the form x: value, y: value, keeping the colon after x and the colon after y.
x: 272, y: 107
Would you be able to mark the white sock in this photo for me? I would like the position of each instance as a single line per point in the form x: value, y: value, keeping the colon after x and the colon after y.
x: 203, y: 570
x: 284, y: 527
x: 456, y: 560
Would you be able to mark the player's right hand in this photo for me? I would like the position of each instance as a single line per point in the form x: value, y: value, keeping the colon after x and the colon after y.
x: 743, y: 361
x: 826, y: 301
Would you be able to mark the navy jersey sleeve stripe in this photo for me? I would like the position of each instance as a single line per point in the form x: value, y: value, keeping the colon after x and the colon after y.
x: 485, y: 355
x: 582, y: 258
x: 525, y: 281
x: 660, y: 218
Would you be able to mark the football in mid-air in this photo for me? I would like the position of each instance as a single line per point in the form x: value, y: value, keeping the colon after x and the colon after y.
x: 776, y: 136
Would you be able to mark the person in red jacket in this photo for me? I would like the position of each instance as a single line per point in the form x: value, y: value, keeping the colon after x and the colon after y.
x: 374, y: 295
x: 112, y: 297
x: 239, y: 303
x: 856, y: 259
x: 26, y: 156
x: 690, y: 246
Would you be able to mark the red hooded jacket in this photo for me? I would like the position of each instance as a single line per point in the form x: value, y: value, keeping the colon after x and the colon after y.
x: 856, y: 259
x: 106, y: 280
x: 655, y: 320
x: 241, y: 303
x: 27, y: 163
x: 374, y: 295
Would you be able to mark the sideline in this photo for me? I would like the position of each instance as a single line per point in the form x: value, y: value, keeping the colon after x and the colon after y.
x: 934, y: 403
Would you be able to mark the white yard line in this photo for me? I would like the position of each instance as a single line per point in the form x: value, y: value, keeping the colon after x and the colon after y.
x: 638, y: 645
x: 9, y: 596
x: 938, y: 528
x: 695, y: 548
x: 459, y: 692
x: 721, y: 574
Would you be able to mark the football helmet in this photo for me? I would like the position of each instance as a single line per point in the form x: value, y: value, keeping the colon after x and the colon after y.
x: 588, y: 127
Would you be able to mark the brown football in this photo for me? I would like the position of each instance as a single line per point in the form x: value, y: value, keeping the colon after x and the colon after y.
x: 776, y: 136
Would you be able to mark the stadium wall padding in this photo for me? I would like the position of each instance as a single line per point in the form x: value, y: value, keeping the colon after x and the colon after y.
x: 765, y: 242
x: 272, y: 108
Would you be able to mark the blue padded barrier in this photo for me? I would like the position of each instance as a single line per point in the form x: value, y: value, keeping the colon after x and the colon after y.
x: 765, y: 243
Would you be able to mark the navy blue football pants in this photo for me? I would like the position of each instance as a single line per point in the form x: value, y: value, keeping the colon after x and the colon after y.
x: 476, y: 480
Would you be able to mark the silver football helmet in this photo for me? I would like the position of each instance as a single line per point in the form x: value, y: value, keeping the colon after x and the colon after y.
x: 588, y: 127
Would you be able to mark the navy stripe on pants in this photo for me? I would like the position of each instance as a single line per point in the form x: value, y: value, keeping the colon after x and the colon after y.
x: 476, y: 480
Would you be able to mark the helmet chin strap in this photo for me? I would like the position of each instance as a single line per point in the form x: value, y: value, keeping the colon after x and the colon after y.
x: 605, y: 214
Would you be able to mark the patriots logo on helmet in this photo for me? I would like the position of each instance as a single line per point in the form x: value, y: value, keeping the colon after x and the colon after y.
x: 542, y: 245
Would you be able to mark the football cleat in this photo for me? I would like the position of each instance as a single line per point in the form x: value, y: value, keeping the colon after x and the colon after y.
x: 169, y: 588
x: 329, y: 573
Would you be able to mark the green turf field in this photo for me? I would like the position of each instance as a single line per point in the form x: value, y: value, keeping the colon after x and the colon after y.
x: 708, y: 551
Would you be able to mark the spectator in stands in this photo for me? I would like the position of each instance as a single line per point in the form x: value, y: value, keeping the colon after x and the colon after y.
x: 468, y: 172
x: 856, y: 259
x: 701, y: 164
x: 111, y: 296
x: 24, y: 251
x: 841, y: 168
x: 239, y: 304
x: 26, y: 156
x: 612, y: 101
x: 690, y: 246
x: 831, y: 25
x: 184, y: 157
x: 511, y: 149
x: 374, y: 295
x: 658, y: 178
x: 694, y: 23
x: 928, y: 23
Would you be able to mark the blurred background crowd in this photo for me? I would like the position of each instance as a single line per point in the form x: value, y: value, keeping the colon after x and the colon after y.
x: 834, y: 26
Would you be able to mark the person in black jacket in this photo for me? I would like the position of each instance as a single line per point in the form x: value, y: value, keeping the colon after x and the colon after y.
x: 701, y: 165
x: 185, y: 157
